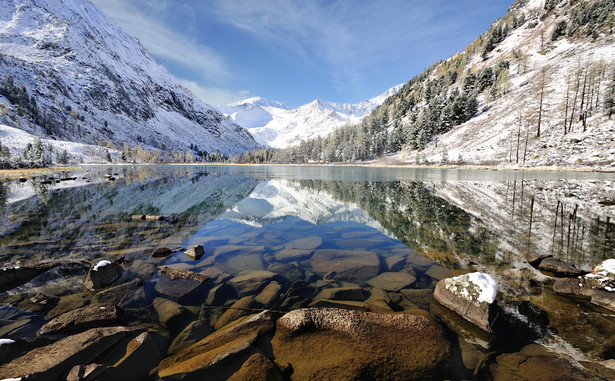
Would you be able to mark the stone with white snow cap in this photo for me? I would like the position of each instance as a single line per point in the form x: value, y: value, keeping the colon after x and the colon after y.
x: 471, y: 296
x: 102, y: 275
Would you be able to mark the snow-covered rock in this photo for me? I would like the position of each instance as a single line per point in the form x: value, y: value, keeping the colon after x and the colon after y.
x: 89, y: 80
x: 469, y: 295
x: 275, y: 125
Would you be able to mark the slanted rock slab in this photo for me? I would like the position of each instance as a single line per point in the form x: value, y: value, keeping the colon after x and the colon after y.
x: 330, y: 343
x: 82, y: 319
x: 51, y: 361
x: 220, y: 354
x: 471, y: 296
x: 239, y: 309
x: 559, y: 267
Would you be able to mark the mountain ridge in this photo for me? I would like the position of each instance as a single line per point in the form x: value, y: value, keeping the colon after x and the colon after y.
x: 69, y: 72
x: 275, y: 125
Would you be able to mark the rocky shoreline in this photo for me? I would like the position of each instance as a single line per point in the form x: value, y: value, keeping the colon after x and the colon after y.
x: 256, y: 325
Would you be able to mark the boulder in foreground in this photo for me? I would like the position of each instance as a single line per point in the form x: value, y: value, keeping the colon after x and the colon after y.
x: 331, y: 343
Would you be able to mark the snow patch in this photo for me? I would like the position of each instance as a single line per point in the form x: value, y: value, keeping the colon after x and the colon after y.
x: 487, y: 287
x: 101, y: 264
x: 6, y: 341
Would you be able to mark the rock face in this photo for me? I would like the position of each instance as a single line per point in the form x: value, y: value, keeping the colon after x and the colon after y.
x: 220, y: 354
x: 467, y: 296
x: 103, y: 275
x: 84, y: 318
x: 51, y: 361
x: 328, y: 343
x: 347, y: 264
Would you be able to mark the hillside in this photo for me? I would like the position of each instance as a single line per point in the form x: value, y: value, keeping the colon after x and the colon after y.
x: 534, y: 90
x: 68, y: 72
x: 275, y: 125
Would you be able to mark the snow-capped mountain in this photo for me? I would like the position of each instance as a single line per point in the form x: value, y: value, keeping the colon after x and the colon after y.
x: 275, y: 125
x: 69, y: 72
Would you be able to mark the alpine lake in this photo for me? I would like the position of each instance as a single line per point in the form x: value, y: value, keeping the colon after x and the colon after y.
x: 291, y: 237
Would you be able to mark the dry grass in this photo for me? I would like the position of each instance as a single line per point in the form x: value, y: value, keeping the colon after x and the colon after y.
x: 32, y: 172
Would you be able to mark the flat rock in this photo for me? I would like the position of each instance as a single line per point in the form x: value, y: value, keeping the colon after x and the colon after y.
x: 82, y: 319
x: 180, y: 290
x: 530, y: 365
x: 306, y: 243
x: 251, y: 281
x: 559, y: 267
x: 258, y: 368
x: 289, y: 271
x: 586, y: 288
x: 183, y: 274
x: 51, y: 361
x: 243, y: 307
x: 392, y: 281
x: 220, y: 354
x: 103, y: 275
x: 329, y: 343
x: 438, y: 272
x: 287, y: 255
x: 237, y: 258
x: 347, y: 264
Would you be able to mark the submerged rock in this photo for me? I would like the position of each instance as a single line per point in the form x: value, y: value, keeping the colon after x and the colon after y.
x: 243, y: 307
x: 183, y: 274
x: 328, y: 343
x: 220, y: 354
x: 471, y: 296
x: 162, y: 252
x: 84, y: 318
x: 51, y: 361
x: 347, y: 264
x: 392, y: 281
x: 103, y: 275
x: 252, y: 281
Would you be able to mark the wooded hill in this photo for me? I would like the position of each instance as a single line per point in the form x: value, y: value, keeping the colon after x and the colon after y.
x: 536, y: 89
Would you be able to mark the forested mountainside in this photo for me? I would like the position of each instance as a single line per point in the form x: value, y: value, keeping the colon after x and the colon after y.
x: 275, y: 125
x: 536, y: 89
x: 68, y: 72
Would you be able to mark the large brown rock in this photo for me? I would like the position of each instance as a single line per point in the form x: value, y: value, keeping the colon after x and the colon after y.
x: 220, y: 354
x: 559, y: 267
x: 461, y: 296
x: 51, y: 361
x: 535, y: 363
x: 82, y: 319
x: 103, y: 275
x: 326, y: 344
x: 347, y: 264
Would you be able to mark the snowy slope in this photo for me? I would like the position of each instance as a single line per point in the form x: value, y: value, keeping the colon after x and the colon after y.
x: 92, y: 81
x: 273, y: 124
x: 500, y: 131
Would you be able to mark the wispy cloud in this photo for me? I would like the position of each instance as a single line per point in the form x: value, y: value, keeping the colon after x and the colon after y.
x: 164, y: 42
x: 215, y: 95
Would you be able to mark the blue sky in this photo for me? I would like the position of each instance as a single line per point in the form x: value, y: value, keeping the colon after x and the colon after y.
x: 295, y: 51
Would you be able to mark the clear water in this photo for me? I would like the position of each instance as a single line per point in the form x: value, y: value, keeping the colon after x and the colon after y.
x: 316, y: 228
